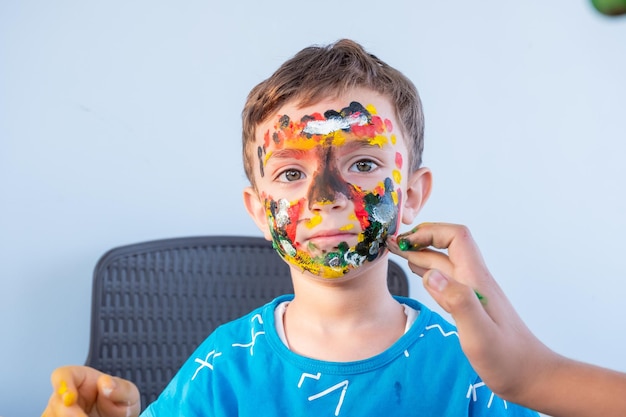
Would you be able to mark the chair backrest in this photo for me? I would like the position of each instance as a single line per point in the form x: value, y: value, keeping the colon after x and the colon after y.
x: 154, y: 302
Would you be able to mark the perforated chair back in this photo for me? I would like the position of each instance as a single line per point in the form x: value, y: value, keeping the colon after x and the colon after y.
x: 153, y: 303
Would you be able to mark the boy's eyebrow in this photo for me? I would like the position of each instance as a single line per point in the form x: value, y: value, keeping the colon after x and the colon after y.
x: 353, y: 145
x: 286, y: 153
x: 359, y: 143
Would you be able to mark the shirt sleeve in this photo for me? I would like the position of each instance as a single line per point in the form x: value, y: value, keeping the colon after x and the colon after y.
x: 189, y: 393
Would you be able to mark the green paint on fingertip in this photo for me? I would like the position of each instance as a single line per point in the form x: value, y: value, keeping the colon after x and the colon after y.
x: 404, y: 244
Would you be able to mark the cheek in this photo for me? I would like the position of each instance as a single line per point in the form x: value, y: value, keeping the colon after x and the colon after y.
x: 283, y: 217
x: 397, y: 175
x: 377, y: 209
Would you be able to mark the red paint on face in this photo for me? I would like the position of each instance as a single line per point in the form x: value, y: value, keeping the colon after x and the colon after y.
x: 359, y: 209
x: 294, y: 212
x: 266, y: 140
x: 370, y: 130
x: 398, y: 160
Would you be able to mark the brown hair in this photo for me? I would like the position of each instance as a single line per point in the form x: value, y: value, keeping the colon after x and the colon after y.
x: 319, y: 72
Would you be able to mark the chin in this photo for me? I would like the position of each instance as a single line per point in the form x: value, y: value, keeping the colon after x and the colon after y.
x: 333, y: 264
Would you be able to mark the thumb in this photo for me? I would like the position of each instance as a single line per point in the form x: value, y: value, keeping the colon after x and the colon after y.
x: 476, y: 329
x: 117, y: 397
x: 457, y: 299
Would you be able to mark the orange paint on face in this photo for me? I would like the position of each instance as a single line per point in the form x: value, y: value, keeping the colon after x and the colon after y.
x: 360, y: 212
x: 295, y: 134
x: 375, y: 210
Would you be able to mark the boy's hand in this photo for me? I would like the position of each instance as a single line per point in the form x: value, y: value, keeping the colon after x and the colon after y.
x: 494, y: 338
x: 83, y: 391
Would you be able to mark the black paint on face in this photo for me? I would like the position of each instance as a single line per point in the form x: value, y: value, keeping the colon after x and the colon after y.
x: 260, y: 155
x: 327, y: 181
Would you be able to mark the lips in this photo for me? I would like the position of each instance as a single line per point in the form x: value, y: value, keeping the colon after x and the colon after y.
x: 331, y: 239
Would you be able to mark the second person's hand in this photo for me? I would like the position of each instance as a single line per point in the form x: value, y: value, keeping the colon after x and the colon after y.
x: 500, y: 347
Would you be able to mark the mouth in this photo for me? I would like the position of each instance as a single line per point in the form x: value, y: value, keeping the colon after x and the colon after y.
x: 331, y: 240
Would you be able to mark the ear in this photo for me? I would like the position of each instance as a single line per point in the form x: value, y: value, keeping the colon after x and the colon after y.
x: 417, y: 192
x: 256, y: 210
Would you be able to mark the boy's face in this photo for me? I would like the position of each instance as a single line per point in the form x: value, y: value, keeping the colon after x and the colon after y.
x: 329, y: 179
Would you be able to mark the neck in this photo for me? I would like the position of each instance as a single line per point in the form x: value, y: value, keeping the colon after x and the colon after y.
x: 345, y: 319
x: 359, y: 298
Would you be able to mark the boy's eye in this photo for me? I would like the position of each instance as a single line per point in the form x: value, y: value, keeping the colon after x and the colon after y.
x: 290, y: 175
x: 363, y: 166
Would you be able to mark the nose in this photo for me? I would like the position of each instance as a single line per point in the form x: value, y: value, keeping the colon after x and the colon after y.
x: 328, y: 190
x: 336, y: 202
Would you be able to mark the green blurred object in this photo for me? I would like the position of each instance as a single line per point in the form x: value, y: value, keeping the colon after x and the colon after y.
x: 610, y: 7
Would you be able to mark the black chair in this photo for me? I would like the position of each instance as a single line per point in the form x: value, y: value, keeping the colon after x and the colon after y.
x: 154, y: 302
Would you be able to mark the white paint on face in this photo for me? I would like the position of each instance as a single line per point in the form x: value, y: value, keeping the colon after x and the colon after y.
x: 282, y: 215
x: 334, y: 124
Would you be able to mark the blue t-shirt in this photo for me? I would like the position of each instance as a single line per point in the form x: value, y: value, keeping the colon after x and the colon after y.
x: 244, y: 369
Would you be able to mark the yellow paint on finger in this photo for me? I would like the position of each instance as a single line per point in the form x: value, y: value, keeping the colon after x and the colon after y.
x: 62, y: 388
x: 69, y: 398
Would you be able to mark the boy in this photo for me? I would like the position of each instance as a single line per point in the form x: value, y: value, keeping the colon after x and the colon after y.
x: 332, y: 145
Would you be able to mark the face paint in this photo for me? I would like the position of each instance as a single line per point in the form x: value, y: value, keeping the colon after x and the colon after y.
x: 329, y: 129
x: 375, y: 210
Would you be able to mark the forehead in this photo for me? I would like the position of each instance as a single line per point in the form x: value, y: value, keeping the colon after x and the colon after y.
x: 361, y: 115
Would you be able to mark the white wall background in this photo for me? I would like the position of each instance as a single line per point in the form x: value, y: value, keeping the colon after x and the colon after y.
x: 119, y: 122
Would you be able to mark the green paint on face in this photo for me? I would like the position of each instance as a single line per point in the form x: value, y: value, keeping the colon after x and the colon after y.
x: 380, y: 217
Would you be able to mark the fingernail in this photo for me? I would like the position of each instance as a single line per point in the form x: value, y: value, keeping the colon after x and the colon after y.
x: 108, y: 386
x: 402, y: 235
x: 405, y: 245
x: 437, y: 281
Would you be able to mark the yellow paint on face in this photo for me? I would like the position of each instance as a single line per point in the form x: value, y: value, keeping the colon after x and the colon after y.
x: 375, y: 212
x: 314, y: 221
x: 397, y: 177
x: 339, y: 138
x: 303, y: 143
x: 379, y: 140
